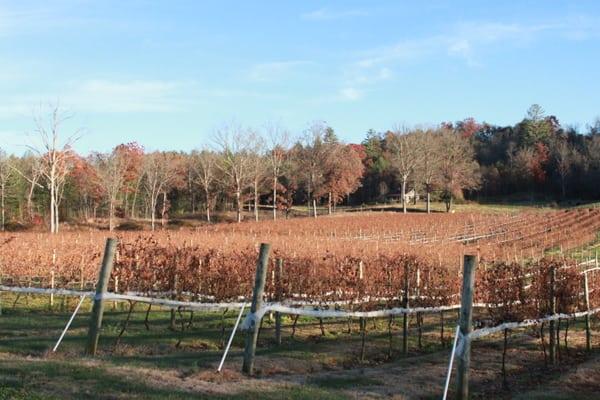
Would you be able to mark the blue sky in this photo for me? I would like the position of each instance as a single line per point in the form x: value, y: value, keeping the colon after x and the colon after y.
x: 167, y: 73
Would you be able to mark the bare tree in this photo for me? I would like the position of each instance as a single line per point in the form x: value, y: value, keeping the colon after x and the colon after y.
x: 403, y: 146
x: 563, y: 155
x: 161, y: 171
x: 458, y: 169
x: 258, y: 167
x: 29, y: 168
x: 278, y: 141
x: 5, y: 174
x: 309, y: 157
x: 55, y: 156
x: 204, y: 165
x: 111, y: 169
x: 427, y: 164
x: 235, y: 160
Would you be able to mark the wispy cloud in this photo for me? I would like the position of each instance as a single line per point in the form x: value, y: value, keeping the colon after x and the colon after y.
x: 104, y: 96
x: 325, y: 14
x: 17, y: 20
x: 350, y: 94
x: 132, y: 96
x: 273, y: 71
x: 466, y: 40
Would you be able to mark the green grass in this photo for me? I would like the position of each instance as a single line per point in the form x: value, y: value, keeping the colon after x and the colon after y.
x: 148, y: 365
x: 29, y: 329
x: 44, y: 379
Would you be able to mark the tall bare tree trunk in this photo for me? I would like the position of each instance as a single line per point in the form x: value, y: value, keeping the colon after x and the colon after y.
x: 256, y: 200
x: 238, y: 205
x: 207, y: 205
x: 111, y: 215
x: 135, y: 194
x: 404, y: 195
x: 153, y: 211
x: 428, y: 202
x: 52, y: 207
x: 329, y: 203
x: 163, y: 220
x: 2, y: 204
x: 30, y: 201
x: 56, y: 216
x: 275, y: 198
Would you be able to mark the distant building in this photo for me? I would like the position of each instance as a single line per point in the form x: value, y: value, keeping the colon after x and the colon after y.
x: 410, y: 196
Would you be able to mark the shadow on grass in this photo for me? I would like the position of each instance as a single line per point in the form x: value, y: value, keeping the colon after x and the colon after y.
x: 61, y: 380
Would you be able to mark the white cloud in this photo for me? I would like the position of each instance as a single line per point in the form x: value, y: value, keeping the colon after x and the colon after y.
x: 350, y: 94
x: 273, y: 71
x: 119, y: 97
x: 324, y: 14
x: 104, y: 96
x: 466, y: 40
x: 18, y: 19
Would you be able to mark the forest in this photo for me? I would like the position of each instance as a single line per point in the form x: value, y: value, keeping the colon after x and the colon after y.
x: 268, y: 170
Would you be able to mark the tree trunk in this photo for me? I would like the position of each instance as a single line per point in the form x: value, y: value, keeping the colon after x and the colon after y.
x: 238, y: 205
x: 404, y: 195
x: 207, y: 205
x: 256, y: 200
x: 135, y: 194
x: 30, y: 200
x: 274, y: 198
x: 2, y: 205
x: 125, y: 204
x: 56, y: 216
x: 449, y: 203
x: 329, y: 203
x: 153, y: 210
x: 309, y: 197
x: 163, y: 220
x: 52, y: 207
x: 111, y: 215
x: 428, y: 202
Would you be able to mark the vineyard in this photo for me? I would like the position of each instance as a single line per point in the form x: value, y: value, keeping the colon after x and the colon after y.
x: 536, y: 270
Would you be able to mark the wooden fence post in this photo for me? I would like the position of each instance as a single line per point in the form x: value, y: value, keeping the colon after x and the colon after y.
x: 0, y: 292
x: 405, y: 305
x: 101, y: 286
x: 251, y: 332
x: 466, y: 317
x: 174, y: 296
x: 51, y: 287
x: 278, y: 298
x: 551, y: 328
x: 588, y: 334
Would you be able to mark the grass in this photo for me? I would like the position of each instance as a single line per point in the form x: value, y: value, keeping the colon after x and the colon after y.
x: 148, y: 365
x: 29, y: 329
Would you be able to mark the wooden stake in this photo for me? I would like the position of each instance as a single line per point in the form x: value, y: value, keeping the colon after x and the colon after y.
x: 101, y: 286
x: 551, y: 328
x: 466, y: 317
x: 257, y: 300
x: 278, y: 298
x: 405, y: 305
x: 588, y: 334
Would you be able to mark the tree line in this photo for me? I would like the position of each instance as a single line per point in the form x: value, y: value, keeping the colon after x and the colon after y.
x: 270, y: 169
x: 535, y: 159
